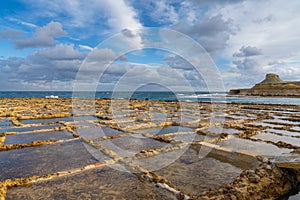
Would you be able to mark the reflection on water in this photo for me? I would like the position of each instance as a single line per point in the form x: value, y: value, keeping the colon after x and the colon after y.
x: 30, y: 137
x: 26, y: 129
x: 103, y: 183
x: 189, y: 173
x: 128, y: 146
x: 261, y: 148
x: 98, y: 132
x: 166, y: 130
x: 277, y: 138
x: 43, y: 160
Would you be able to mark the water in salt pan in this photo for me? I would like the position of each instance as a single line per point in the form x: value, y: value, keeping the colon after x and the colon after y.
x: 38, y: 136
x: 261, y: 148
x: 98, y: 132
x: 195, y: 175
x: 284, y: 132
x: 166, y: 130
x: 128, y: 146
x: 102, y: 183
x: 277, y: 138
x: 43, y: 160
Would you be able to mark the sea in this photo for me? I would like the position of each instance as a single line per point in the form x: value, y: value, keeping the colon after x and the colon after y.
x: 214, y: 97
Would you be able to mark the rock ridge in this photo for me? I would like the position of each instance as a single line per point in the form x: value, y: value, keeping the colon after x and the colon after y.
x: 272, y: 85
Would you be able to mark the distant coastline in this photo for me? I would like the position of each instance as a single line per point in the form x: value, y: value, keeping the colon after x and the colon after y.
x: 271, y: 86
x: 215, y: 97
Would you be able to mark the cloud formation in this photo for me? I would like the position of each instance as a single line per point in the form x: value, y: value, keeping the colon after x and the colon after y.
x: 45, y: 68
x: 212, y: 33
x: 90, y: 15
x: 43, y: 36
x: 246, y: 39
x: 247, y: 52
x: 10, y: 33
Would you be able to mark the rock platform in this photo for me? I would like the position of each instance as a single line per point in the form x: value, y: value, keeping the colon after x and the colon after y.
x: 144, y: 149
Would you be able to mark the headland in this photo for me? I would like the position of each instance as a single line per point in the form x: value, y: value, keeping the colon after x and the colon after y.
x: 273, y: 86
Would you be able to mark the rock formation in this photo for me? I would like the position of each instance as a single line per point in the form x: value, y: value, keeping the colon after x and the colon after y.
x: 272, y: 85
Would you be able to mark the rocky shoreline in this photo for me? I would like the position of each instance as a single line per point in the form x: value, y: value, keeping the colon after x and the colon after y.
x: 231, y: 151
x: 271, y: 86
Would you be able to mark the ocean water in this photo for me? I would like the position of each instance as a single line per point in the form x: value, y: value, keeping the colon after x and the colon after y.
x: 180, y: 96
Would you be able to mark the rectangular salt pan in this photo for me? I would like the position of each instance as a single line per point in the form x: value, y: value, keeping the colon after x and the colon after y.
x: 43, y: 160
x: 193, y: 174
x: 41, y: 136
x: 166, y: 130
x: 261, y: 148
x: 102, y: 183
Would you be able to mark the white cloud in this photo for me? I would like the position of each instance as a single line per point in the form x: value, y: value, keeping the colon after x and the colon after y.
x: 48, y: 68
x: 247, y: 52
x: 211, y: 32
x: 43, y: 36
x: 101, y: 55
x: 85, y: 47
x: 254, y: 37
x: 61, y: 52
x: 22, y: 22
x: 121, y: 16
x: 10, y: 33
x: 91, y: 14
x: 164, y: 12
x: 267, y: 33
x: 137, y: 75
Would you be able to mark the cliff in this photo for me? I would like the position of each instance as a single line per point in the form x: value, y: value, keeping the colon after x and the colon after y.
x: 272, y: 85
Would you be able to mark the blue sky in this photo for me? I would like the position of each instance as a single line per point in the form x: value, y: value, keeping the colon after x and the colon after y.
x: 44, y: 43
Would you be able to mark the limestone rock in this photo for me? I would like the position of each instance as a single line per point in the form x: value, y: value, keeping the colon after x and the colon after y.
x: 272, y: 85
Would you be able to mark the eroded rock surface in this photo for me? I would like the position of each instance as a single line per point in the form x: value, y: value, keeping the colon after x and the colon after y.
x: 162, y: 149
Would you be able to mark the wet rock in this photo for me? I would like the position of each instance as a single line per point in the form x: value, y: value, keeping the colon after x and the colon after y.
x: 232, y: 197
x: 264, y: 182
x: 254, y: 178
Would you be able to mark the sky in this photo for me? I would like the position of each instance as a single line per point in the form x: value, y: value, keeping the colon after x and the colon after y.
x: 104, y: 45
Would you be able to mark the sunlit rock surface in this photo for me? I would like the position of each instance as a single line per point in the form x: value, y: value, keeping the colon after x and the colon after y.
x: 272, y: 85
x: 135, y: 149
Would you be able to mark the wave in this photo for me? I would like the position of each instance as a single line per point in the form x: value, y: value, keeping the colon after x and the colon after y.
x: 214, y: 95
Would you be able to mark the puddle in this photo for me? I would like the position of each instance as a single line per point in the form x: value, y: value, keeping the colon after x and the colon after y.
x: 218, y: 119
x: 46, y: 121
x: 295, y: 197
x: 166, y: 130
x: 83, y: 123
x: 277, y: 138
x: 102, y: 183
x: 43, y: 160
x: 128, y: 146
x: 25, y: 129
x: 264, y: 124
x: 98, y: 132
x: 194, y: 175
x: 261, y: 148
x: 273, y: 111
x: 220, y: 130
x: 183, y: 120
x: 284, y: 132
x: 30, y: 137
x: 83, y: 118
x: 158, y: 116
x: 297, y: 128
x: 5, y: 122
x: 240, y: 117
x: 281, y: 121
x: 53, y: 120
x: 189, y: 137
